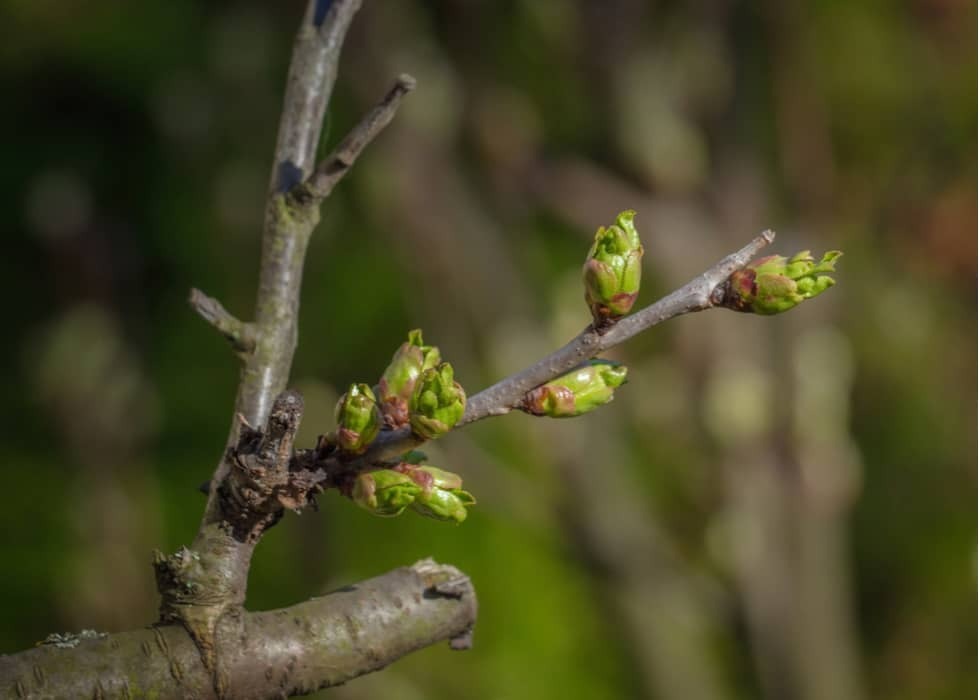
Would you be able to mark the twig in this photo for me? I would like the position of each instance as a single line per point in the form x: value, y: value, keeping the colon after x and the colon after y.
x: 697, y: 295
x: 312, y: 74
x: 241, y: 335
x: 332, y: 168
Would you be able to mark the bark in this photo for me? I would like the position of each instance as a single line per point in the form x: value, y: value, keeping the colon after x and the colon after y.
x: 316, y: 644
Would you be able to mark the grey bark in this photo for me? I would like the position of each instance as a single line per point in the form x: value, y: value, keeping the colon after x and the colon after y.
x: 316, y: 644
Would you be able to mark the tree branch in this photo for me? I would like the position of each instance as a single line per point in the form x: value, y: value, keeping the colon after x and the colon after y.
x: 703, y: 292
x: 697, y: 295
x: 241, y: 335
x: 206, y: 584
x: 330, y: 171
x: 312, y: 74
x: 316, y: 644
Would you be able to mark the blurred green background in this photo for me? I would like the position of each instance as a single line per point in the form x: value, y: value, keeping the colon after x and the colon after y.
x: 773, y: 507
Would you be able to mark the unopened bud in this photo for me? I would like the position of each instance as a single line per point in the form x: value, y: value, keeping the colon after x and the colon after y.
x: 585, y: 388
x: 384, y: 492
x: 398, y: 381
x: 612, y: 269
x: 444, y: 504
x: 358, y: 419
x: 437, y: 403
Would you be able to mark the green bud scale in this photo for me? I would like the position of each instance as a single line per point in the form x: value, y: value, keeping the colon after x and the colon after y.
x: 429, y: 491
x: 612, y: 270
x: 442, y: 496
x: 773, y: 284
x: 385, y: 492
x: 437, y: 403
x: 585, y: 388
x: 358, y: 419
x: 398, y: 380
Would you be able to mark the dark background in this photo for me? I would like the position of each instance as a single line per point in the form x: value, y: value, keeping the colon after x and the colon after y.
x: 773, y: 507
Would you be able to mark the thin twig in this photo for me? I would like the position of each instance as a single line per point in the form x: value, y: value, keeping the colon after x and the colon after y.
x: 696, y: 295
x: 332, y: 168
x: 240, y: 334
x: 507, y: 394
x: 312, y: 74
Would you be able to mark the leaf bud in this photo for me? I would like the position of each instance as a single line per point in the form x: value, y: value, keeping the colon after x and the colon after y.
x: 773, y: 284
x: 437, y: 403
x: 358, y: 419
x: 612, y: 270
x: 585, y: 388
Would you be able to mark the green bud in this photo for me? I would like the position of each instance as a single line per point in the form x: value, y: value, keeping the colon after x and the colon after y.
x: 358, y: 419
x: 429, y: 477
x: 398, y: 381
x: 408, y: 362
x: 773, y: 284
x: 437, y: 402
x: 441, y: 493
x: 612, y: 269
x: 384, y: 492
x: 585, y: 388
x: 444, y: 504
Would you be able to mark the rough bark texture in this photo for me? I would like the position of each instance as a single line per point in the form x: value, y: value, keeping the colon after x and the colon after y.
x: 316, y: 644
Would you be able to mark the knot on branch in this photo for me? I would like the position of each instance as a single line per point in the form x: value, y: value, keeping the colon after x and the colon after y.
x: 264, y: 479
x: 444, y: 581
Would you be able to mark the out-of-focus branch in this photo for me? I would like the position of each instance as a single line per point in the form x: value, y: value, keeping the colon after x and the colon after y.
x: 665, y: 613
x: 316, y: 644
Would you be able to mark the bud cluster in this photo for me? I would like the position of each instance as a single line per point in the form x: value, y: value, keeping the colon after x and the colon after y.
x: 773, y: 284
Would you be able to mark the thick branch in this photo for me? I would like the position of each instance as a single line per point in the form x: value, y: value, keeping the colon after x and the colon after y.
x: 241, y: 335
x: 312, y: 74
x: 236, y: 514
x: 316, y: 644
x: 703, y: 292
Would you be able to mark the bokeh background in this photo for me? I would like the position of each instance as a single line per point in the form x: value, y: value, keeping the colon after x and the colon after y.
x: 772, y: 508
